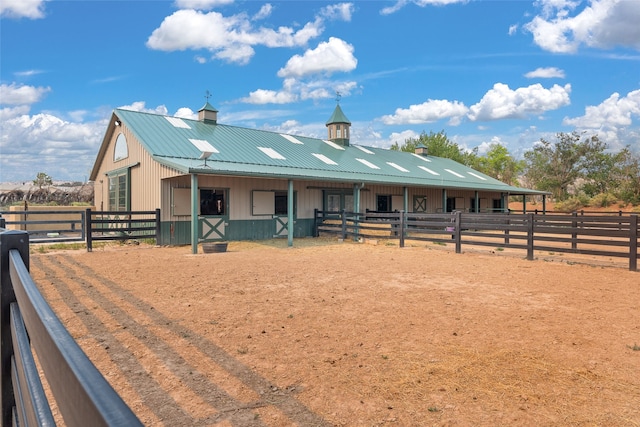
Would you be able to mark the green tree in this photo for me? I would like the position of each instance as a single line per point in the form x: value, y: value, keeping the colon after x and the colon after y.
x: 438, y: 145
x: 629, y: 170
x: 42, y: 179
x: 500, y: 164
x: 556, y: 166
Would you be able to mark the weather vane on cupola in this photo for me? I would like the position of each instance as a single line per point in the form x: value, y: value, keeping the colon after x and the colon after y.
x: 207, y: 95
x: 338, y: 97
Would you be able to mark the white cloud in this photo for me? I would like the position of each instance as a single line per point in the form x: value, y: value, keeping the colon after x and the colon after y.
x: 264, y: 12
x: 201, y: 4
x: 613, y: 112
x: 230, y: 38
x: 21, y: 94
x: 335, y: 55
x: 63, y: 149
x: 186, y: 113
x: 141, y: 107
x: 263, y: 96
x: 602, y: 24
x: 428, y: 112
x: 294, y: 90
x: 32, y: 9
x: 546, y: 73
x: 501, y: 102
x: 341, y: 11
x: 422, y: 3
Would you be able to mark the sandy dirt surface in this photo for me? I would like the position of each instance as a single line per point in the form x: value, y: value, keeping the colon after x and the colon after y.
x: 347, y: 334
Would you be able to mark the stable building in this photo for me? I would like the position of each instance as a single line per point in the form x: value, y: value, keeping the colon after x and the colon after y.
x: 216, y: 182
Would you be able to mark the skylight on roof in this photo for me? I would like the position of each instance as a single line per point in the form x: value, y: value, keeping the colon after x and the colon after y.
x: 333, y: 144
x: 477, y: 176
x: 177, y: 122
x: 367, y: 163
x: 454, y: 173
x: 400, y: 168
x: 364, y: 149
x: 204, y: 146
x: 324, y: 158
x: 428, y: 170
x: 421, y: 157
x: 291, y: 139
x: 272, y: 153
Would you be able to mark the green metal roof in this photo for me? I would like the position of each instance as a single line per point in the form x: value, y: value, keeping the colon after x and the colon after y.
x: 338, y: 116
x: 180, y: 143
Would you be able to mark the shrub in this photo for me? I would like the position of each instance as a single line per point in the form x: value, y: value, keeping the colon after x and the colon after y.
x: 569, y: 205
x: 603, y: 200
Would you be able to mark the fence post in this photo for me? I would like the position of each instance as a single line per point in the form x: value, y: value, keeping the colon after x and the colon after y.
x: 10, y: 239
x: 2, y: 222
x: 530, y: 220
x: 458, y: 232
x: 315, y: 222
x: 574, y: 233
x: 344, y: 224
x: 506, y: 232
x: 158, y: 228
x: 87, y: 220
x: 401, y: 228
x: 633, y: 243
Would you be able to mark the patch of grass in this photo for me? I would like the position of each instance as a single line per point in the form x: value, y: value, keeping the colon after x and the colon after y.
x: 634, y: 347
x: 433, y: 409
x: 440, y: 243
x: 243, y: 350
x: 499, y: 249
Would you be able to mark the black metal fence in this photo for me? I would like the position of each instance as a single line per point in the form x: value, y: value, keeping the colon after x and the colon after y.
x: 48, y: 226
x: 121, y: 225
x: 85, y: 225
x: 29, y: 326
x: 604, y: 235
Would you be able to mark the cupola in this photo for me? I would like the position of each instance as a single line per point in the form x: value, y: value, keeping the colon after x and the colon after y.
x: 338, y: 127
x: 421, y: 150
x: 208, y: 114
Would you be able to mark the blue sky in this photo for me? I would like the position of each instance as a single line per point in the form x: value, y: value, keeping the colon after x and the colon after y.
x: 507, y: 72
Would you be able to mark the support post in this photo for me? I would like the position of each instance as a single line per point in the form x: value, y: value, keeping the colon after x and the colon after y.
x: 405, y: 199
x: 315, y: 223
x: 458, y: 232
x: 194, y: 213
x: 633, y: 243
x: 356, y: 209
x: 158, y: 228
x: 544, y: 204
x: 574, y: 234
x: 89, y: 226
x: 530, y: 219
x: 401, y: 228
x: 290, y: 223
x: 9, y: 240
x: 344, y: 224
x: 444, y: 200
x: 476, y: 202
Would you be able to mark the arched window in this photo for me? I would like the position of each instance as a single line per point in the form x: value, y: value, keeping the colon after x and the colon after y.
x: 120, y: 151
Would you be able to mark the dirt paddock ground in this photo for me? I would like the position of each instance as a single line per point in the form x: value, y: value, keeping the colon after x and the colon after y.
x: 332, y: 333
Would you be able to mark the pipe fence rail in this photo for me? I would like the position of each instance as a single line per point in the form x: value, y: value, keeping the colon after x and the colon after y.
x: 604, y: 235
x: 29, y: 327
